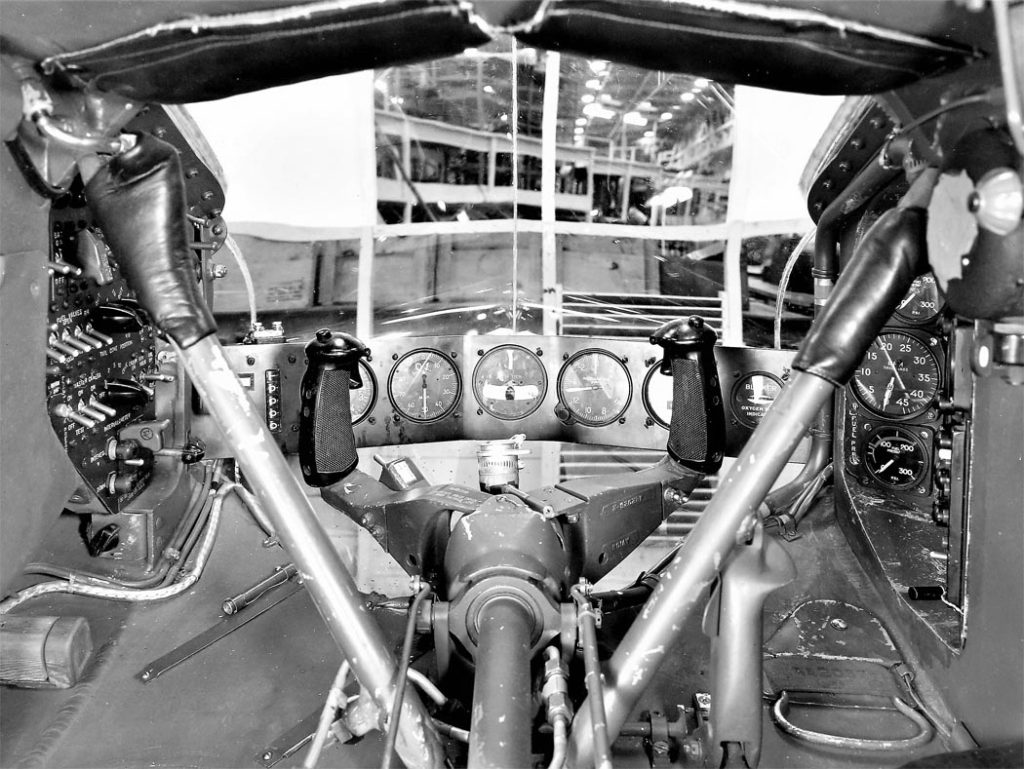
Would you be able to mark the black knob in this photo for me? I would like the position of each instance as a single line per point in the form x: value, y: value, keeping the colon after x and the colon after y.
x: 126, y: 392
x: 122, y: 316
x: 696, y: 436
x: 327, y: 444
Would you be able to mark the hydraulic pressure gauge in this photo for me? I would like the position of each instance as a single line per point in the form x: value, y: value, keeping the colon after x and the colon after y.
x: 509, y: 382
x: 922, y: 302
x: 361, y: 399
x: 896, y: 457
x: 898, y: 377
x: 595, y: 387
x: 424, y: 386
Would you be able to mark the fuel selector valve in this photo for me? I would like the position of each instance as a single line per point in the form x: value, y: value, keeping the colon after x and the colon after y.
x: 327, y: 445
x: 696, y: 437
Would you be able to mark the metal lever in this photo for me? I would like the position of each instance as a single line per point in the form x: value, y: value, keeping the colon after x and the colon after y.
x: 733, y: 621
x: 924, y: 730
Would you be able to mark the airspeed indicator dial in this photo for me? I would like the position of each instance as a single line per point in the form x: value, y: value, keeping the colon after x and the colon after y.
x: 898, y: 377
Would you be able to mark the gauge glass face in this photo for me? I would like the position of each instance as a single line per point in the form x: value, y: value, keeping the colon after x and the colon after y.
x: 509, y: 382
x: 752, y: 395
x: 922, y: 302
x: 424, y: 386
x: 658, y: 395
x: 595, y: 387
x: 898, y: 377
x: 896, y: 457
x: 361, y: 399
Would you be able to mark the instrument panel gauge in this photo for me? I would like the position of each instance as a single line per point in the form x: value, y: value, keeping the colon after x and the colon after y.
x: 751, y: 396
x: 658, y: 395
x: 424, y: 386
x: 922, y: 302
x: 361, y: 399
x: 595, y: 387
x: 898, y: 377
x: 896, y: 457
x: 509, y: 382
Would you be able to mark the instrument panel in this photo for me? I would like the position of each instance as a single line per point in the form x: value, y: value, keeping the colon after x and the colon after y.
x: 576, y: 389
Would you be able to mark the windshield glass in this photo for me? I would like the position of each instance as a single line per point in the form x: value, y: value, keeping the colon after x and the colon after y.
x: 516, y: 190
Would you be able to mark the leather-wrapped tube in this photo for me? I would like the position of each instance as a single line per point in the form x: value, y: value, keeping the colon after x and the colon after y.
x: 138, y: 198
x: 892, y: 254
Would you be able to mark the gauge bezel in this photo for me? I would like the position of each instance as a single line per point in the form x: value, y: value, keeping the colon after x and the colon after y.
x: 369, y: 380
x: 736, y: 413
x: 458, y: 385
x: 651, y: 411
x: 917, y: 412
x: 916, y: 483
x: 940, y: 306
x: 480, y: 400
x: 621, y: 366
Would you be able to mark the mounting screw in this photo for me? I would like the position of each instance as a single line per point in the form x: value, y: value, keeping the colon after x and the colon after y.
x: 250, y: 360
x: 838, y: 623
x: 291, y: 357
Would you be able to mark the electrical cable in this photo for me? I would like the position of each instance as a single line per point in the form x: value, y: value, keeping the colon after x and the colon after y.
x: 515, y: 186
x: 780, y: 301
x: 401, y: 676
x: 75, y: 587
x: 331, y: 705
x: 243, y: 267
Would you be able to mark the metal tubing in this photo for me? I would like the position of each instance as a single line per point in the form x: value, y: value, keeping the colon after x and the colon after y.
x: 499, y: 737
x: 306, y: 542
x: 592, y: 672
x: 683, y: 586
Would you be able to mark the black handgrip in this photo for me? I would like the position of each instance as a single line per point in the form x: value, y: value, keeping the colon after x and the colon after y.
x: 327, y: 444
x: 138, y: 199
x: 892, y: 254
x: 696, y: 437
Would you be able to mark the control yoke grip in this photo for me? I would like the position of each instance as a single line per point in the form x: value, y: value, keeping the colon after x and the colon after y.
x: 696, y: 437
x: 327, y: 444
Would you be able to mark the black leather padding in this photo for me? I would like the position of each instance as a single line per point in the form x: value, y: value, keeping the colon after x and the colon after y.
x: 752, y: 43
x: 211, y: 57
x: 891, y: 255
x: 759, y: 44
x: 138, y: 199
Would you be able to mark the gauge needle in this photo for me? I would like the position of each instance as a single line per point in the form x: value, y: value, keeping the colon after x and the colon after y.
x: 892, y: 365
x: 886, y: 466
x: 906, y: 301
x: 424, y: 395
x: 888, y: 393
x: 586, y: 388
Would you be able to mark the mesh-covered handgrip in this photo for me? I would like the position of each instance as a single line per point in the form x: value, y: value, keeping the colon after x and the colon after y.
x: 327, y: 445
x: 138, y: 199
x: 696, y: 436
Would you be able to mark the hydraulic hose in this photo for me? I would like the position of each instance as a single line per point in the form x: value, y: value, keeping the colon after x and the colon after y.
x: 592, y: 671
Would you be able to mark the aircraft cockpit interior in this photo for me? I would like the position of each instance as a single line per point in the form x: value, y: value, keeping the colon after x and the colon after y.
x: 512, y: 383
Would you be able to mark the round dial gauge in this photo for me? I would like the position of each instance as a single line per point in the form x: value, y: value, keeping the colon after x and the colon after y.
x: 361, y: 399
x: 424, y: 386
x: 595, y: 387
x: 898, y: 377
x: 922, y: 302
x: 509, y: 382
x: 752, y: 395
x: 658, y: 395
x: 896, y: 457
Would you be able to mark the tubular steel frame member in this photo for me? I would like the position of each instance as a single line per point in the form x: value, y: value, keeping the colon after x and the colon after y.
x: 892, y: 253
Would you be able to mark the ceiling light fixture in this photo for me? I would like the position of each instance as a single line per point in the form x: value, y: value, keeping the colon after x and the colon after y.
x: 666, y: 116
x: 581, y: 121
x: 701, y: 82
x: 597, y: 66
x: 687, y: 97
x: 634, y: 118
x: 593, y: 84
x: 599, y: 112
x: 587, y: 98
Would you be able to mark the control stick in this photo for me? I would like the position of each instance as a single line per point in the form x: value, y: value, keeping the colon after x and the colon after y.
x: 696, y: 436
x: 327, y: 445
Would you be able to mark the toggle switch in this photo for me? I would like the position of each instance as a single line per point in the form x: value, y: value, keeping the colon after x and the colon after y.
x: 92, y: 341
x: 126, y: 392
x: 58, y: 345
x: 55, y: 356
x: 122, y: 316
x: 78, y: 344
x: 103, y: 407
x: 64, y: 411
x: 92, y: 332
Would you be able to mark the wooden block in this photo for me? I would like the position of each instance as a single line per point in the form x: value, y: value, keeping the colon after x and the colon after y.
x: 43, y: 652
